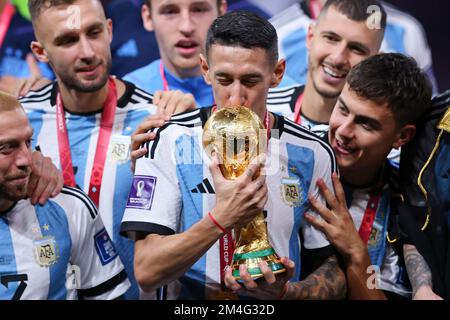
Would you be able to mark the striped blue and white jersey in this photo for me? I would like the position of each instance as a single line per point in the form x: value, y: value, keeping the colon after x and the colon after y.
x: 83, y: 129
x: 403, y: 34
x: 149, y: 78
x: 173, y: 189
x: 282, y: 100
x: 392, y: 271
x: 60, y: 250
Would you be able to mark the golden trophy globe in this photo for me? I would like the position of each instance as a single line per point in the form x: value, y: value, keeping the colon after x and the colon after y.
x: 238, y: 135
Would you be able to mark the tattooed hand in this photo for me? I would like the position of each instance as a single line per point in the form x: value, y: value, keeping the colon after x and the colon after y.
x: 419, y: 274
x: 326, y: 282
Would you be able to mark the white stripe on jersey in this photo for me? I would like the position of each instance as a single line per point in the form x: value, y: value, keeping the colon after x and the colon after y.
x: 177, y: 178
x: 133, y: 107
x: 67, y: 227
x: 21, y: 234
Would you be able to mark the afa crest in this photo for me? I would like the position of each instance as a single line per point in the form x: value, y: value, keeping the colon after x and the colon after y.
x: 291, y: 191
x: 46, y: 251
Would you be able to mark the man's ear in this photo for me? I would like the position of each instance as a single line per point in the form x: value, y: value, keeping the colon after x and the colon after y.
x: 404, y: 136
x: 310, y: 35
x: 109, y: 27
x: 278, y: 73
x: 205, y: 69
x: 146, y: 14
x: 39, y: 51
x: 223, y: 7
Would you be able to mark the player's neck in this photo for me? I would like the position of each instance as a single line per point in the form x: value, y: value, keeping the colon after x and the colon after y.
x: 361, y: 178
x: 182, y: 73
x: 316, y: 107
x: 87, y: 102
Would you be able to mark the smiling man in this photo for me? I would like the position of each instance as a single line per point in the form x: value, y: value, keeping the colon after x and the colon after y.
x: 41, y: 244
x: 181, y: 238
x: 84, y: 119
x: 337, y: 41
x: 382, y: 99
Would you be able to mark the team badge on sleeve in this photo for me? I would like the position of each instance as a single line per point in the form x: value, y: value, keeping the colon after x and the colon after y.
x: 291, y: 191
x: 46, y: 251
x: 141, y: 193
x: 104, y: 247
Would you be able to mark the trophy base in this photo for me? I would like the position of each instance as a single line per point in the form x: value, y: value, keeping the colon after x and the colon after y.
x: 252, y: 260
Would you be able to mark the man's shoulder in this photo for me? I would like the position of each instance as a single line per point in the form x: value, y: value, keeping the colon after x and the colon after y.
x: 40, y: 97
x: 298, y: 136
x: 75, y: 202
x: 189, y: 123
x: 135, y: 97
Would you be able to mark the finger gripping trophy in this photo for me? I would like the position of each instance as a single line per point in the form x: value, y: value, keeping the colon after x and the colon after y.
x: 238, y: 136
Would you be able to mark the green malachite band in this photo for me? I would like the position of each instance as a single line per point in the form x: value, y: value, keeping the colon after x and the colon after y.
x: 257, y: 271
x: 254, y: 254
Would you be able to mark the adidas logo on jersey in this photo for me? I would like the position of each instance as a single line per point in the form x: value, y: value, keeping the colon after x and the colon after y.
x: 204, y: 187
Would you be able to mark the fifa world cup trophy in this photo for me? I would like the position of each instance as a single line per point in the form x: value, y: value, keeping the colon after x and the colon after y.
x: 237, y: 134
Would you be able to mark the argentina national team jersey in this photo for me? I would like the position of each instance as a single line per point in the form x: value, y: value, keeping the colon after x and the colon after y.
x: 132, y: 108
x: 173, y: 189
x: 149, y: 78
x: 282, y: 101
x: 403, y: 34
x: 60, y: 250
x: 392, y: 271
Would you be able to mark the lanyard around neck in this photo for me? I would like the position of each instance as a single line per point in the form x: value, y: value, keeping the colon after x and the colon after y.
x: 163, y: 77
x: 106, y: 124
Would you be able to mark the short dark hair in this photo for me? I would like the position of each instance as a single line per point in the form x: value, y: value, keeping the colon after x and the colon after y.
x: 245, y: 29
x: 356, y: 10
x: 395, y: 79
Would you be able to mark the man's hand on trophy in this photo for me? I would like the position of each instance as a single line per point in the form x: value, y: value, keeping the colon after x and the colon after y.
x: 269, y: 287
x: 143, y: 134
x: 239, y: 201
x: 174, y: 101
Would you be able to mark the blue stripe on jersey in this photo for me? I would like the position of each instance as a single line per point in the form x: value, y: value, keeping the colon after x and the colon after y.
x: 378, y: 249
x: 53, y: 216
x: 394, y: 37
x: 300, y: 165
x: 36, y: 120
x: 296, y: 56
x: 190, y: 171
x: 7, y: 260
x: 80, y: 131
x: 124, y: 178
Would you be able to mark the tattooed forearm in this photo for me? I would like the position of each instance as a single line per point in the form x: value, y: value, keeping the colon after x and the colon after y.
x: 326, y: 282
x: 418, y: 271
